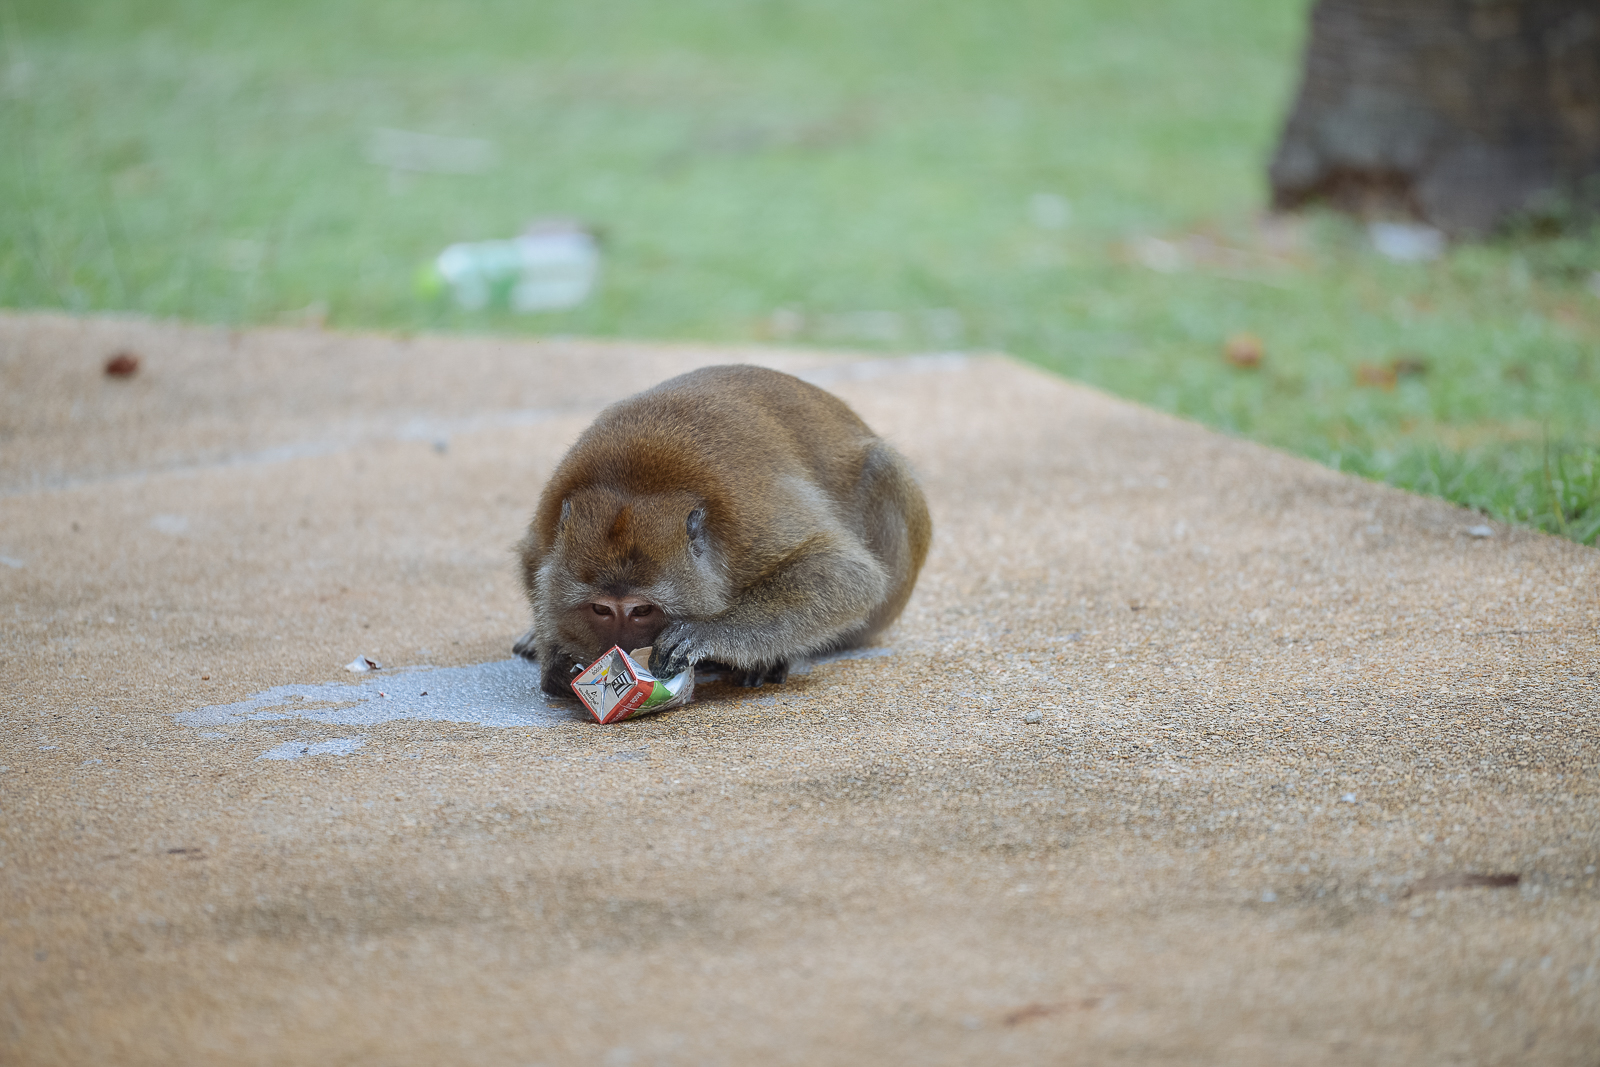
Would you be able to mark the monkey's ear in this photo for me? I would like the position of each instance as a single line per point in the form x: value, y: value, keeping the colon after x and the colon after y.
x: 697, y: 529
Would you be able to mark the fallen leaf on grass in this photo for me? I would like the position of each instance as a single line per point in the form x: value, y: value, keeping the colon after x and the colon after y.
x: 1409, y: 365
x: 1387, y: 375
x: 1375, y: 376
x: 1244, y: 350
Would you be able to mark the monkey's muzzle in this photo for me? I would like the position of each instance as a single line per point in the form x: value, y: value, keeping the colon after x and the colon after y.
x: 624, y: 621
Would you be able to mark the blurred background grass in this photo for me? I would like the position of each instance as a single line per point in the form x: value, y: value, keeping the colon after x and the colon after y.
x: 1080, y: 184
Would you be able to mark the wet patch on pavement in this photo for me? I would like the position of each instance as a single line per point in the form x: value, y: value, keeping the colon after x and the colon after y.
x: 500, y: 694
x: 504, y: 693
x: 338, y: 746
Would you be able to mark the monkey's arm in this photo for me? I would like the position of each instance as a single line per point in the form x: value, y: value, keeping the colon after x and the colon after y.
x: 529, y: 559
x: 805, y: 604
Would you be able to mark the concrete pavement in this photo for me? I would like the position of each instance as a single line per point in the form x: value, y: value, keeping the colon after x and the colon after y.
x: 1317, y: 776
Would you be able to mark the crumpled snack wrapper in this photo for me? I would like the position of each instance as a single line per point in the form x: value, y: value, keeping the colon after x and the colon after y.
x: 617, y: 687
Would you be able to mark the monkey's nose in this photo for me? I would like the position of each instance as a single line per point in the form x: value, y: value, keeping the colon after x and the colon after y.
x: 626, y: 607
x: 629, y: 621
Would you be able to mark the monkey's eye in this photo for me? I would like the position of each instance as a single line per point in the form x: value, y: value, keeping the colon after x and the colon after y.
x: 600, y: 609
x: 641, y: 611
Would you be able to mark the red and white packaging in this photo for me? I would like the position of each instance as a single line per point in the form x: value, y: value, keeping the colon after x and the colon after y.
x: 617, y: 687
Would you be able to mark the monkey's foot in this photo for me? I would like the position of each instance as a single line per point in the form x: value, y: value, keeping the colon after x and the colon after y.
x: 526, y: 648
x: 776, y: 674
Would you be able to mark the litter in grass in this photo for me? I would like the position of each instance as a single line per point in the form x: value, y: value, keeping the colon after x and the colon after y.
x: 1406, y: 242
x: 550, y: 267
x: 363, y: 664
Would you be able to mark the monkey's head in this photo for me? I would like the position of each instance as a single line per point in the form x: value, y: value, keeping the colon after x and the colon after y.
x: 622, y: 566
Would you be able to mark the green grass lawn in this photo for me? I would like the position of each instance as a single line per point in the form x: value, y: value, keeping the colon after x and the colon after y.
x: 1076, y: 183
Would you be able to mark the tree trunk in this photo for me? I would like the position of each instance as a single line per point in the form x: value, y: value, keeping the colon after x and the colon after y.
x: 1464, y: 113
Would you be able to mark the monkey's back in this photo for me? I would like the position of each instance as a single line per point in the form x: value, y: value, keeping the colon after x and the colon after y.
x: 743, y: 423
x: 774, y: 459
x: 813, y: 527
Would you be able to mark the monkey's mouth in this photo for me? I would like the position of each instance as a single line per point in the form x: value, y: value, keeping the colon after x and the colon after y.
x: 629, y: 621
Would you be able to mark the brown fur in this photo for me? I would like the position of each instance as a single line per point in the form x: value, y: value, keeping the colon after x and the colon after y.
x: 731, y: 514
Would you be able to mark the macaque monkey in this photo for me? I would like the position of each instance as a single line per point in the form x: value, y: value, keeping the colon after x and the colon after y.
x: 733, y: 517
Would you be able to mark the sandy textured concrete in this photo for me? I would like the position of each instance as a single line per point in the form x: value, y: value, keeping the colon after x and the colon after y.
x: 1289, y: 721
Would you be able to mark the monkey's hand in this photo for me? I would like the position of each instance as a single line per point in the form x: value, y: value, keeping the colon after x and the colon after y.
x: 556, y: 674
x: 676, y: 648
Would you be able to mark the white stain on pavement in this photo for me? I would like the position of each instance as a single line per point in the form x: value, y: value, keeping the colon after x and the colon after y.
x: 338, y: 746
x: 504, y: 693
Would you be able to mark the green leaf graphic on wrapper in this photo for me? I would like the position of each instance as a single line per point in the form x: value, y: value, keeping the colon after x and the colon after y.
x: 665, y: 691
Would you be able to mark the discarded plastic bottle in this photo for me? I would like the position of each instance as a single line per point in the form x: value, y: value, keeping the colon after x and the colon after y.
x: 550, y: 267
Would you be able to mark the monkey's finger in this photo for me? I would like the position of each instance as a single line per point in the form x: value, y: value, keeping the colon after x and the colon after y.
x: 668, y: 663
